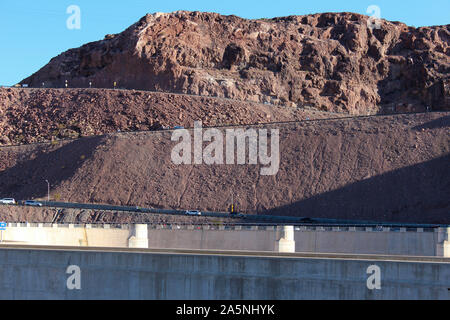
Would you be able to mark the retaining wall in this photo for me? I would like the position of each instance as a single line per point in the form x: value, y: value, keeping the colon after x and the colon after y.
x: 42, y: 274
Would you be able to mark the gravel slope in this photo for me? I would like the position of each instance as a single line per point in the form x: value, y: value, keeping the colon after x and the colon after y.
x: 392, y: 168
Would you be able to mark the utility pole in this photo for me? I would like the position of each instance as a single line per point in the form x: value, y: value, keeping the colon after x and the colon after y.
x: 232, y: 203
x: 48, y: 190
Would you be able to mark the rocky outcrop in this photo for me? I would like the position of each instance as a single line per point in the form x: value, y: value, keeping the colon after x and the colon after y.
x: 329, y: 61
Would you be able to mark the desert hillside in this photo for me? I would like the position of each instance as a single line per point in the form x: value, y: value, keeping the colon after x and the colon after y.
x: 228, y: 70
x: 39, y: 115
x: 99, y: 139
x: 329, y: 61
x: 390, y: 168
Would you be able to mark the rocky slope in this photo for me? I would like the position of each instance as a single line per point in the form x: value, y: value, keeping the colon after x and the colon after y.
x: 330, y: 61
x: 390, y: 168
x: 39, y: 115
x: 52, y: 215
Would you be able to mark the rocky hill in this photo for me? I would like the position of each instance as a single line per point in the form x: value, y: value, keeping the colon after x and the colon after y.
x: 329, y: 61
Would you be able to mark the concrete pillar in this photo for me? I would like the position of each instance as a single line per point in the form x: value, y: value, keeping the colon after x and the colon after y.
x: 443, y: 243
x: 139, y: 236
x: 285, y: 239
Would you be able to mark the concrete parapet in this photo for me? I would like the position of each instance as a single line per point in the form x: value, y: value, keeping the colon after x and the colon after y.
x: 416, y: 242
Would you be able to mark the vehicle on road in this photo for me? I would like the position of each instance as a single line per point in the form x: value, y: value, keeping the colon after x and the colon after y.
x: 193, y: 213
x: 32, y: 203
x: 178, y: 127
x: 7, y: 201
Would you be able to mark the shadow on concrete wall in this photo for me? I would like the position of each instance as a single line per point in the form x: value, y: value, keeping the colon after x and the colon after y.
x: 415, y: 194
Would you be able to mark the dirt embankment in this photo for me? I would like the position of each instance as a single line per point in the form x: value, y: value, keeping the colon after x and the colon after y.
x: 53, y: 215
x: 391, y: 168
x: 38, y: 115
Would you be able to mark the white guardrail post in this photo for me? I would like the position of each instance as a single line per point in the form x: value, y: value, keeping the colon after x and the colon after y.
x: 139, y: 236
x: 443, y: 242
x: 285, y: 239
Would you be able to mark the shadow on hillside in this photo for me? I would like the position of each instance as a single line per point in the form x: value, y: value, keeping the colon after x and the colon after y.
x: 415, y: 194
x: 443, y: 122
x: 26, y: 180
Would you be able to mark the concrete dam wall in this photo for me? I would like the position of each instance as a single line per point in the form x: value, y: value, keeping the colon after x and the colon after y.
x: 74, y: 273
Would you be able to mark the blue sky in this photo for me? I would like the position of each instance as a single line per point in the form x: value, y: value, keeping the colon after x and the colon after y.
x: 32, y: 32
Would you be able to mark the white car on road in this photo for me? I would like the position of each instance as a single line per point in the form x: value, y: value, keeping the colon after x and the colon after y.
x: 7, y: 201
x: 193, y: 213
x: 32, y: 203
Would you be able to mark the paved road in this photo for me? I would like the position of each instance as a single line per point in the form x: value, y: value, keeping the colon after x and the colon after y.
x: 245, y: 218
